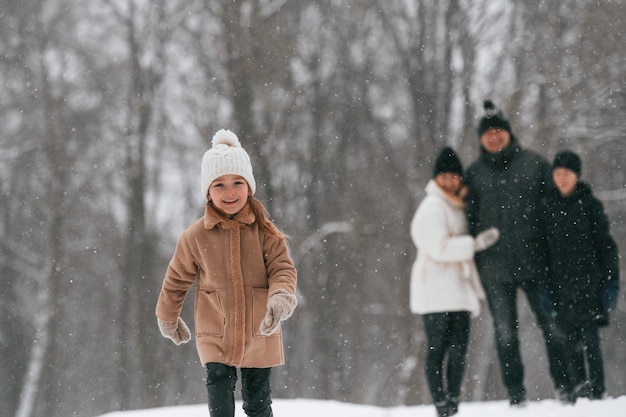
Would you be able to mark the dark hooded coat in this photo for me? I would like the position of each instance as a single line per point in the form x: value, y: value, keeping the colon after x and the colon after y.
x: 583, y: 256
x: 507, y: 191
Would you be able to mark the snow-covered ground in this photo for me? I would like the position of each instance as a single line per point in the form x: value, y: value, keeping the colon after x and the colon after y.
x: 611, y: 407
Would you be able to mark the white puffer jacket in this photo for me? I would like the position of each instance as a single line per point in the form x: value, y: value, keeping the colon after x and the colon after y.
x: 444, y: 276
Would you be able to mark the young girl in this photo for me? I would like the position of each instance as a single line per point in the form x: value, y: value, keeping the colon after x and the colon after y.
x: 245, y: 284
x: 445, y: 287
x: 584, y: 270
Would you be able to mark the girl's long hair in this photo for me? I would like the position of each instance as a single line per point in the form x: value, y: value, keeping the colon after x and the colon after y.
x: 260, y: 213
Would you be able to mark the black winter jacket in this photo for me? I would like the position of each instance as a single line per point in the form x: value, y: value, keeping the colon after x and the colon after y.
x: 583, y: 256
x: 506, y: 191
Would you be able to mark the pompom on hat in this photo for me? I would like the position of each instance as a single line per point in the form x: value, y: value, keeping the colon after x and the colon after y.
x: 226, y: 156
x: 492, y: 119
x: 447, y: 161
x: 569, y: 160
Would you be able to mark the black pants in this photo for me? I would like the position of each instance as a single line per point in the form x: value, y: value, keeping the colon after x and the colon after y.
x: 501, y: 298
x: 448, y: 334
x: 584, y: 348
x: 255, y: 390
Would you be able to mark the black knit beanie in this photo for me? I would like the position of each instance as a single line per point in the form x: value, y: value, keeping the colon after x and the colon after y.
x: 569, y: 160
x: 493, y: 119
x: 447, y: 161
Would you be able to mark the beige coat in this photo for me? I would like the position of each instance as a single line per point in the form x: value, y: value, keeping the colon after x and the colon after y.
x: 235, y: 270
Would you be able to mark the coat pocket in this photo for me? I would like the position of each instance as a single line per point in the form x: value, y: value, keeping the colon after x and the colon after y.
x: 259, y: 309
x: 210, y: 319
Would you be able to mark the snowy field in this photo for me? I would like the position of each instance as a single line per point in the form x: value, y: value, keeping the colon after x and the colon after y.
x: 612, y: 407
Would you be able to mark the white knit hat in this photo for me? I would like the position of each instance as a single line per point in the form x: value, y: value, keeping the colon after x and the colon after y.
x: 225, y: 157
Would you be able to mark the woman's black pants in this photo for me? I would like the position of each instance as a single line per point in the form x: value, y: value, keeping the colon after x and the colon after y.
x: 255, y: 390
x: 448, y: 334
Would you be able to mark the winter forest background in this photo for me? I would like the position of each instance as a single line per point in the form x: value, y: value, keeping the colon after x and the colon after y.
x: 107, y: 106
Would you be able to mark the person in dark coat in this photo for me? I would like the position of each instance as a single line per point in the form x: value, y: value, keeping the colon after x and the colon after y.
x: 584, y: 269
x: 507, y: 186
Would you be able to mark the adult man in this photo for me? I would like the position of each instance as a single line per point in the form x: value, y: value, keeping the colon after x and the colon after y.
x: 507, y: 184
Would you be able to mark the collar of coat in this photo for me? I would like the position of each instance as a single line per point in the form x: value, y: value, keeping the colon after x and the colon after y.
x: 433, y: 189
x: 581, y: 190
x: 244, y: 217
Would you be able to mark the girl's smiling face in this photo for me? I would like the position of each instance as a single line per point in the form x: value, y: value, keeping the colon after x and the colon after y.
x: 229, y: 193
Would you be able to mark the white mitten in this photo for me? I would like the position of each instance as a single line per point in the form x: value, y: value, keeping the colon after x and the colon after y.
x: 486, y: 239
x: 175, y: 330
x: 280, y: 306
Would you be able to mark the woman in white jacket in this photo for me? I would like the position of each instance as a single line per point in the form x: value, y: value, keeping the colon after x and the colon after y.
x: 445, y: 286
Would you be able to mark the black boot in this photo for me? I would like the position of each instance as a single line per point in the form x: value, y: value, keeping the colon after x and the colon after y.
x: 517, y: 397
x: 566, y: 396
x: 442, y: 408
x: 453, y: 406
x: 596, y: 394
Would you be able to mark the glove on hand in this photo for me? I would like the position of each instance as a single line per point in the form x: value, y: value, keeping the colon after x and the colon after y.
x: 609, y: 295
x: 486, y: 239
x: 545, y: 300
x: 280, y: 307
x: 175, y: 330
